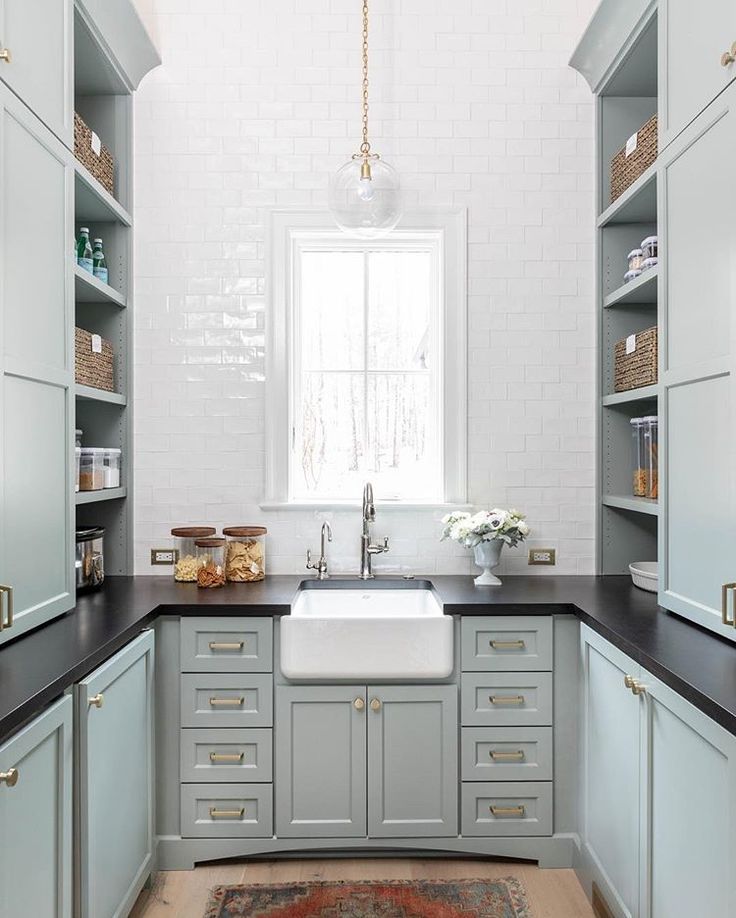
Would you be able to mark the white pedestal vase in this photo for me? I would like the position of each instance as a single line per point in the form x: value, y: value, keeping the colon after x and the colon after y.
x: 487, y: 556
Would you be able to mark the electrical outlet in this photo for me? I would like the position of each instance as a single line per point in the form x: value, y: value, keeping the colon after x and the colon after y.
x: 164, y: 555
x: 542, y: 556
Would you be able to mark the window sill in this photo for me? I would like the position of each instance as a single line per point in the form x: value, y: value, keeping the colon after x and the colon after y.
x: 358, y: 505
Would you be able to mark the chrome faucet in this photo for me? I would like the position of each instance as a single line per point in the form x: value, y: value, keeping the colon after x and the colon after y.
x: 367, y: 548
x: 321, y: 566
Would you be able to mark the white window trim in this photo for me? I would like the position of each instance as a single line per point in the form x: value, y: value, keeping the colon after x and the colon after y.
x: 288, y: 228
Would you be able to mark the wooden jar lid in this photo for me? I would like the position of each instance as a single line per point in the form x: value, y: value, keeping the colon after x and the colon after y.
x: 244, y: 532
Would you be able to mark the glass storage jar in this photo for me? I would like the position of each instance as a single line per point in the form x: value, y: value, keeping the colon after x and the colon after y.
x: 246, y: 553
x: 91, y: 469
x: 631, y: 275
x: 650, y: 436
x: 112, y: 468
x: 635, y: 258
x: 210, y: 562
x: 638, y: 459
x: 649, y: 247
x: 185, y: 568
x: 78, y: 462
x: 648, y: 263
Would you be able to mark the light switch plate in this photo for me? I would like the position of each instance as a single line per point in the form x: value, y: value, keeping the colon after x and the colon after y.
x: 542, y: 556
x: 164, y: 555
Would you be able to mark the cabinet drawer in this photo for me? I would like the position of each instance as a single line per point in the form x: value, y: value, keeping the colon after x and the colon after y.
x: 227, y: 755
x: 226, y: 811
x: 507, y: 643
x: 506, y: 699
x: 226, y: 700
x: 503, y: 808
x: 226, y: 645
x: 507, y: 753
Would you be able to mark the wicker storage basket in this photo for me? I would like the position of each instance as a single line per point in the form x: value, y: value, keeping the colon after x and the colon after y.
x: 639, y: 368
x: 101, y: 164
x: 92, y: 365
x: 625, y: 170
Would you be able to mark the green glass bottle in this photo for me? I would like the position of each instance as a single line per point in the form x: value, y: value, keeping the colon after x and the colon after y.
x: 84, y: 250
x: 99, y: 265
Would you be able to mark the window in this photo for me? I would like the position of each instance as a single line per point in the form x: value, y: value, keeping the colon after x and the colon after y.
x: 366, y: 373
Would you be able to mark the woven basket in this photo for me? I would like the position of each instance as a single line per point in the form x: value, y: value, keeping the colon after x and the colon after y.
x: 92, y: 368
x: 631, y: 371
x: 625, y: 170
x: 102, y: 165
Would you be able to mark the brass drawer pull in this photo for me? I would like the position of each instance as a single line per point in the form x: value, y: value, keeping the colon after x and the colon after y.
x: 506, y: 699
x: 226, y: 814
x: 508, y: 810
x: 227, y: 702
x: 226, y: 756
x: 10, y: 778
x: 516, y: 756
x: 227, y: 645
x: 725, y: 589
x: 508, y: 645
x: 728, y: 57
x: 7, y: 591
x: 96, y: 700
x: 5, y: 55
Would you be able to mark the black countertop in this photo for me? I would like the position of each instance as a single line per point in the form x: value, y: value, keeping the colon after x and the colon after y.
x: 37, y: 667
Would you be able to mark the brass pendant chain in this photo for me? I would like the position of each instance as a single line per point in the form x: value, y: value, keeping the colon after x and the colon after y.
x: 365, y: 147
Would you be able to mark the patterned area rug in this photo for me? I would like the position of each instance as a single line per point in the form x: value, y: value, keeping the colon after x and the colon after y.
x: 504, y: 898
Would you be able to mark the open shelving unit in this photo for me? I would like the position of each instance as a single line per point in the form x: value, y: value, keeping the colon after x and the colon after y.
x: 102, y: 96
x: 626, y: 97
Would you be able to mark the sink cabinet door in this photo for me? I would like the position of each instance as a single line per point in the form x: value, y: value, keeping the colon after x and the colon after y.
x: 320, y: 760
x: 412, y: 760
x: 114, y: 775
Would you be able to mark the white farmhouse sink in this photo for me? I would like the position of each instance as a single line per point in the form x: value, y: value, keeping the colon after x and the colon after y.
x: 341, y: 630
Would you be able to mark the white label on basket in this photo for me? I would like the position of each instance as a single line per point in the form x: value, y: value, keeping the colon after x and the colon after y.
x: 631, y: 143
x: 96, y: 144
x: 631, y: 344
x: 97, y: 344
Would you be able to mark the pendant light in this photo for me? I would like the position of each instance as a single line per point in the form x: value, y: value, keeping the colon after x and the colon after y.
x: 365, y: 194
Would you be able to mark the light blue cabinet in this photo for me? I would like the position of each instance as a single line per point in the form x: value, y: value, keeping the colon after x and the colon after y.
x: 36, y: 371
x: 114, y: 776
x: 412, y: 760
x: 36, y: 817
x: 38, y: 39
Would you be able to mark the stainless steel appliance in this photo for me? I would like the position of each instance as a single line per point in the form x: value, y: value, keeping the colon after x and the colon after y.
x: 90, y: 558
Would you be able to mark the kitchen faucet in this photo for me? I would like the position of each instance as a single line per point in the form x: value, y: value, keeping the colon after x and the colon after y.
x: 321, y: 566
x: 367, y: 548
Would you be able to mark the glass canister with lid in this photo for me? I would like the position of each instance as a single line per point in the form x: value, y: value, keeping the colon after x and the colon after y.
x: 185, y: 569
x: 210, y: 562
x: 246, y: 553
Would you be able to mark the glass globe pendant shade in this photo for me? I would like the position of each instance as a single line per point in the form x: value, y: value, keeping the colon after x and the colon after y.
x: 365, y: 198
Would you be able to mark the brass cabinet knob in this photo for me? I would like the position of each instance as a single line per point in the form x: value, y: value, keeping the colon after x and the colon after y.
x: 629, y: 681
x: 9, y: 777
x: 96, y: 700
x: 638, y: 689
x: 375, y: 704
x: 728, y: 57
x: 5, y: 55
x: 359, y: 704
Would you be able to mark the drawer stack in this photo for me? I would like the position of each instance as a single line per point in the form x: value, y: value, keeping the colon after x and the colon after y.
x: 226, y: 739
x: 506, y: 715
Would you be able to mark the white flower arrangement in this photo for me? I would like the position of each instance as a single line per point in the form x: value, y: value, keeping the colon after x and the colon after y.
x: 470, y: 529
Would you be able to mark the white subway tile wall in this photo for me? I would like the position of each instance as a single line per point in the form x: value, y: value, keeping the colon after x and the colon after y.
x: 255, y: 105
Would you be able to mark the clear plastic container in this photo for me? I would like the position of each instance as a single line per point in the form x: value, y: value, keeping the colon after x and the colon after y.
x: 112, y: 468
x: 631, y: 275
x: 78, y: 459
x: 210, y: 562
x: 650, y: 436
x: 649, y: 247
x: 635, y: 258
x: 186, y: 537
x: 246, y: 553
x: 91, y: 469
x: 638, y: 461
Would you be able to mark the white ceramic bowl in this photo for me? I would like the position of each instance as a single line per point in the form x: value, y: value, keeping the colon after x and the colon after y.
x: 645, y: 575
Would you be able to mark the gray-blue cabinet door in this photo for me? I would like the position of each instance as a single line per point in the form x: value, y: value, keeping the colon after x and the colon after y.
x: 36, y: 371
x: 38, y: 66
x: 115, y: 781
x: 320, y: 760
x: 412, y: 760
x: 36, y: 817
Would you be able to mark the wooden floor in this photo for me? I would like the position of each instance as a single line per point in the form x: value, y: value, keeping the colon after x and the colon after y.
x: 183, y: 894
